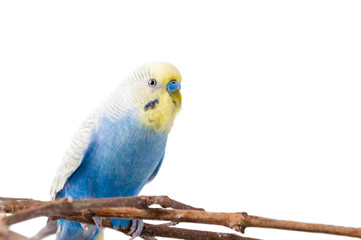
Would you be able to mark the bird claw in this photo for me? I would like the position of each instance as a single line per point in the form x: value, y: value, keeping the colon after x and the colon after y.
x: 98, y: 223
x: 84, y: 226
x: 136, y: 228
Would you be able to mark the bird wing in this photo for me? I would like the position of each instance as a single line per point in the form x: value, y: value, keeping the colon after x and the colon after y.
x: 156, y: 169
x: 74, y: 155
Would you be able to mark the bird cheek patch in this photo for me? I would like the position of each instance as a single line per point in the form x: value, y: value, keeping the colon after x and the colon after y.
x: 151, y: 104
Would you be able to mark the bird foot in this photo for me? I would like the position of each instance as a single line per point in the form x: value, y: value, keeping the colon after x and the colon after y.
x: 136, y: 228
x: 84, y: 226
x: 98, y: 223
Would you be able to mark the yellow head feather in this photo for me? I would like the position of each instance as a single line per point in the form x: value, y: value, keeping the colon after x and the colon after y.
x: 162, y: 115
x: 164, y: 72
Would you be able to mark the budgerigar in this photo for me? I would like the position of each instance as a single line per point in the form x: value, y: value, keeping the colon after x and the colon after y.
x: 121, y: 146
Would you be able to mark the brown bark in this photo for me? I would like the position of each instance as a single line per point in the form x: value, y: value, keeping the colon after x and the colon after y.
x: 137, y: 208
x: 151, y: 230
x: 68, y: 205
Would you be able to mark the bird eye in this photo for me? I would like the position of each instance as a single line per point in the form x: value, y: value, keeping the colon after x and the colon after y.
x: 152, y: 82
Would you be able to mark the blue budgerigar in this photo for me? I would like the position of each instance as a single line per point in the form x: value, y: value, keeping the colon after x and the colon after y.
x: 121, y: 146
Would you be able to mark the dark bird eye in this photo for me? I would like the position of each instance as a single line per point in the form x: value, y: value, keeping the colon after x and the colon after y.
x: 152, y: 82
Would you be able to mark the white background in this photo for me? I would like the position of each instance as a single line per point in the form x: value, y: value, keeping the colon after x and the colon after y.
x: 271, y: 120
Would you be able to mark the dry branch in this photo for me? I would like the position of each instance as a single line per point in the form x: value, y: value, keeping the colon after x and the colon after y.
x: 261, y: 222
x: 161, y: 230
x: 12, y: 205
x: 166, y: 202
x: 231, y: 220
x: 7, y: 234
x: 137, y: 208
x: 67, y: 205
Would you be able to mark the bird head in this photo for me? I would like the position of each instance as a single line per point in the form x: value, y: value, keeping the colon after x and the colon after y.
x: 155, y: 90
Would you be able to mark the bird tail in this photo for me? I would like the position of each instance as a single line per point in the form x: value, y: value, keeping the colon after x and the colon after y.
x: 68, y: 230
x: 100, y: 236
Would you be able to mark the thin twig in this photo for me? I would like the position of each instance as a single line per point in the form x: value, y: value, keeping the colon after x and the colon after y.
x: 6, y: 234
x: 182, y: 233
x: 261, y: 222
x: 151, y: 230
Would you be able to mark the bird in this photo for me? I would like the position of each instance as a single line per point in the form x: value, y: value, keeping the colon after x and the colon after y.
x: 121, y: 145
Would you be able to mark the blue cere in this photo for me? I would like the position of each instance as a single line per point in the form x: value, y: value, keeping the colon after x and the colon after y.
x: 173, y: 85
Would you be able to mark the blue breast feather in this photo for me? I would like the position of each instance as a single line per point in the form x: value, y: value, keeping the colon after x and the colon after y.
x: 121, y: 158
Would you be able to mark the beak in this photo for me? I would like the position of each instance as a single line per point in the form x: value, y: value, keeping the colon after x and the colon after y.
x: 173, y: 88
x: 173, y: 85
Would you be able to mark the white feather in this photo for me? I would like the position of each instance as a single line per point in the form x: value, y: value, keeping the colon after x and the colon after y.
x: 73, y: 156
x: 113, y: 108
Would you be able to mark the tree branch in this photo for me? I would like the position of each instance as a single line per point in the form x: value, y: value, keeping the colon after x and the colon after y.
x: 261, y: 222
x: 234, y: 221
x: 166, y: 202
x: 68, y: 205
x: 151, y: 230
x: 12, y: 205
x: 137, y: 208
x: 6, y: 234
